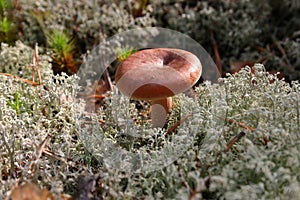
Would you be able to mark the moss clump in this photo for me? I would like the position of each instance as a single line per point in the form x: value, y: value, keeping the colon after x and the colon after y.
x: 7, y: 27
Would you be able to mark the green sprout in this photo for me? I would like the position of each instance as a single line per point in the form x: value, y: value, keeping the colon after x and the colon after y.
x: 4, y: 5
x: 60, y: 42
x: 6, y: 25
x: 63, y: 46
x: 17, y: 104
x: 123, y: 53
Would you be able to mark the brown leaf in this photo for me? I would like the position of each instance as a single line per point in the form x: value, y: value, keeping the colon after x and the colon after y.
x: 30, y: 191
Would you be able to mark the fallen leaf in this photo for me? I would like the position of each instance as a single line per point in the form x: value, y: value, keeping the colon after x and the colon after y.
x: 30, y: 191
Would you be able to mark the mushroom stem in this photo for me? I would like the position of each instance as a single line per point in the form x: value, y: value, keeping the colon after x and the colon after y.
x: 159, y: 111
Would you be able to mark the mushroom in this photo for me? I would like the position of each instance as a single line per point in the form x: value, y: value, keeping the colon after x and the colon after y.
x: 157, y: 75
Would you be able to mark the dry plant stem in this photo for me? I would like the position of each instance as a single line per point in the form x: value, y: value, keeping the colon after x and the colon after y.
x: 216, y: 52
x: 228, y: 146
x: 36, y: 58
x: 95, y: 96
x: 19, y: 78
x: 283, y: 53
x: 108, y: 80
x: 35, y: 64
x: 234, y: 140
x: 49, y: 153
x: 171, y: 130
x: 241, y: 124
x: 159, y: 111
x: 33, y: 69
x: 40, y: 149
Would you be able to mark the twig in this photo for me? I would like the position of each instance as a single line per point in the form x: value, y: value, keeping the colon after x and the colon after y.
x: 108, y: 80
x: 239, y: 136
x: 35, y: 63
x: 49, y: 153
x: 234, y: 140
x: 241, y: 124
x: 41, y: 147
x: 282, y: 51
x: 216, y: 52
x: 171, y: 130
x: 19, y: 78
x: 228, y: 146
x: 38, y: 154
x: 33, y: 68
x: 36, y: 58
x: 95, y: 96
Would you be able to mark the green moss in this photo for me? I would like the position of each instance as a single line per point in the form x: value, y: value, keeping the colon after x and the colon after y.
x: 60, y: 43
x: 7, y: 28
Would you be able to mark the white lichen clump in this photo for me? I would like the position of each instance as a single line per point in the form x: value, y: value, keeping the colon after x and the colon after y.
x: 264, y: 164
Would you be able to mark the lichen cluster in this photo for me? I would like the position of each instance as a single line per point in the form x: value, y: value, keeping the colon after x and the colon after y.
x: 242, y: 133
x: 240, y: 31
x: 263, y: 164
x: 257, y: 31
x: 90, y: 21
x: 17, y: 60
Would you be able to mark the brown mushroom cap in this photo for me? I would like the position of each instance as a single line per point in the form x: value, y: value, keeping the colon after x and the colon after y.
x: 157, y: 73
